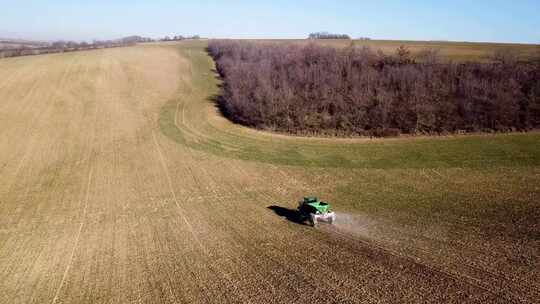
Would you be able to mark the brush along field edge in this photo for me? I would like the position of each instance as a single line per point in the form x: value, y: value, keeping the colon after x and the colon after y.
x: 120, y: 183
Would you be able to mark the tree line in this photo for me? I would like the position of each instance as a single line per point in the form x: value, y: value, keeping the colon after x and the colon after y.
x: 313, y: 89
x: 180, y: 38
x: 70, y: 46
x: 326, y: 35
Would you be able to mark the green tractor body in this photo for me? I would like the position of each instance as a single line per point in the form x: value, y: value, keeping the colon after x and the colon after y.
x: 313, y: 209
x: 316, y: 205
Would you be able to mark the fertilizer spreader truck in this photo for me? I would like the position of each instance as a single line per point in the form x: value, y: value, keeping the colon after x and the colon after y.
x: 312, y: 209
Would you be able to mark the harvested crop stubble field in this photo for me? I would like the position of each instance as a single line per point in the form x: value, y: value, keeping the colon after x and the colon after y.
x: 120, y: 182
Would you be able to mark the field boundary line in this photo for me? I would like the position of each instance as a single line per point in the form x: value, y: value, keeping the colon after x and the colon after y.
x: 77, y: 238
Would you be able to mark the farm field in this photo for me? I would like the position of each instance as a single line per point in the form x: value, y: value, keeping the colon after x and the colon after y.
x: 120, y: 182
x: 454, y: 51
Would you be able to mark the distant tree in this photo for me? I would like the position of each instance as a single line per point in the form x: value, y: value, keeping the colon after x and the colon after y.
x: 326, y: 35
x: 71, y: 45
x: 67, y: 46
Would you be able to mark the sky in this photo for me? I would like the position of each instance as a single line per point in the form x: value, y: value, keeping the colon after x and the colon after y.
x: 515, y: 21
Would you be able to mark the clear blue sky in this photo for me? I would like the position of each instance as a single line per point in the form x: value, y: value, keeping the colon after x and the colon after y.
x: 462, y: 20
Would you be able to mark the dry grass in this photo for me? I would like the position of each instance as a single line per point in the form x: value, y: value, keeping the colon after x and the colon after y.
x: 120, y: 183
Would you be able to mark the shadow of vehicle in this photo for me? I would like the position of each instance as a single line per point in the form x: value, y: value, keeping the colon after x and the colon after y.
x: 291, y: 215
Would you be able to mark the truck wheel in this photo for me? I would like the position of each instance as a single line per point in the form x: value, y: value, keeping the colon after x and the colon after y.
x: 313, y: 220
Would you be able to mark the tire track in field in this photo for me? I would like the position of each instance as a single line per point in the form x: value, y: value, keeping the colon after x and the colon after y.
x: 173, y: 193
x: 191, y: 169
x: 246, y: 225
x: 77, y: 237
x: 198, y: 183
x: 88, y: 158
x: 203, y: 248
x: 223, y: 224
x: 206, y: 293
x: 217, y: 196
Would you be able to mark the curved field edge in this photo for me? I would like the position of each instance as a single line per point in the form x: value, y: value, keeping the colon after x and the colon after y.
x: 194, y: 120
